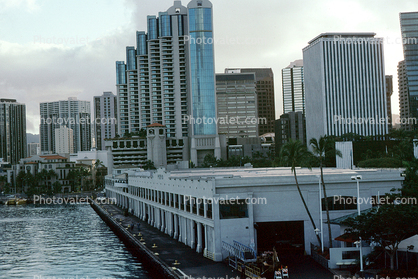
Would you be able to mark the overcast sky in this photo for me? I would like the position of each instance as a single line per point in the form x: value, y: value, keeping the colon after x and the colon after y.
x: 54, y: 49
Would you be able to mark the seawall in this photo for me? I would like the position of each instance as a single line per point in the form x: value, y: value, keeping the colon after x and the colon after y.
x: 154, y: 265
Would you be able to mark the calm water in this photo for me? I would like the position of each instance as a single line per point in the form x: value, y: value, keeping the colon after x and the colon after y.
x: 67, y: 241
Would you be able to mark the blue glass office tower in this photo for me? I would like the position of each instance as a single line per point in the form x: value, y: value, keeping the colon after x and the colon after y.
x: 409, y: 29
x: 202, y: 73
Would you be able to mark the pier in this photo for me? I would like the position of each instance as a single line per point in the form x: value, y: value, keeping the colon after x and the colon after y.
x: 162, y: 254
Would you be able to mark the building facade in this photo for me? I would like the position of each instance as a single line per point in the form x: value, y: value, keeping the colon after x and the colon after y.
x: 345, y: 85
x: 60, y: 165
x: 64, y: 140
x: 105, y: 124
x: 409, y: 30
x: 265, y: 96
x: 293, y: 87
x: 13, y: 144
x: 291, y: 125
x: 169, y: 79
x: 403, y: 92
x: 236, y: 99
x: 389, y: 92
x: 34, y: 148
x: 154, y: 146
x: 211, y: 209
x: 73, y: 114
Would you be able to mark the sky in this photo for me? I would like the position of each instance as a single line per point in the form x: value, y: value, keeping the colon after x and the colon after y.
x: 53, y: 49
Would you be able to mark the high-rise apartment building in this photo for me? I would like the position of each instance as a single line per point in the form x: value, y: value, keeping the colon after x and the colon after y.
x: 12, y: 131
x: 265, y: 96
x: 293, y: 87
x: 389, y: 92
x: 404, y: 115
x: 345, y: 85
x: 105, y: 122
x: 152, y: 84
x: 64, y: 140
x: 409, y: 30
x: 73, y: 114
x: 169, y: 78
x: 236, y: 98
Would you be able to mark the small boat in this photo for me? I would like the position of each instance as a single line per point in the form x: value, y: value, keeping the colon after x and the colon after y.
x: 21, y: 201
x: 11, y: 201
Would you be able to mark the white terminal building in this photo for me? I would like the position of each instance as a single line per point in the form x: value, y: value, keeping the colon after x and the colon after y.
x: 210, y: 209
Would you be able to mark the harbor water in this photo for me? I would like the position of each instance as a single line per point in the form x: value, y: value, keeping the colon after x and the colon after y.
x: 61, y: 241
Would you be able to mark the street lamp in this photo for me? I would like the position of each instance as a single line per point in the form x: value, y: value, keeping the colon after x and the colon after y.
x: 320, y: 215
x: 357, y: 179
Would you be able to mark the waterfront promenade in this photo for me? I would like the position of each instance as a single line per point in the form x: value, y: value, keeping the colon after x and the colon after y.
x: 169, y: 250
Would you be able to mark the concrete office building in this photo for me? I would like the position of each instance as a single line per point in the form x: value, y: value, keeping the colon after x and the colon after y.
x: 409, y: 30
x: 345, y: 85
x: 105, y: 124
x: 293, y: 87
x: 291, y: 125
x: 403, y: 91
x: 187, y: 204
x: 34, y: 148
x: 13, y: 144
x: 169, y: 79
x: 236, y: 98
x: 265, y: 96
x: 64, y: 140
x: 73, y: 114
x: 155, y: 146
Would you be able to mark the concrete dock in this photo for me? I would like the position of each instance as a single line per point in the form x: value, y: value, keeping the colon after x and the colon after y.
x: 161, y: 253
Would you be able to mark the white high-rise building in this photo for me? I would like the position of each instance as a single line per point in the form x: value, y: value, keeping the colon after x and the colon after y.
x: 345, y: 85
x: 64, y: 140
x: 72, y: 113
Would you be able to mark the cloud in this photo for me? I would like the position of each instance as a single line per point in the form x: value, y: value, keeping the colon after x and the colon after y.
x: 50, y: 72
x: 27, y: 5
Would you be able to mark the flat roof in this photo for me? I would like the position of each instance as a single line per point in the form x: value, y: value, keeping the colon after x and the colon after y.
x: 348, y: 34
x: 245, y: 172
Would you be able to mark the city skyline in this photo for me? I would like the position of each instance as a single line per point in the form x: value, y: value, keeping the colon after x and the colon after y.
x: 69, y: 49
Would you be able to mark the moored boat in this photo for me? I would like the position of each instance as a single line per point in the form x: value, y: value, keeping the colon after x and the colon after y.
x: 21, y: 201
x: 11, y: 201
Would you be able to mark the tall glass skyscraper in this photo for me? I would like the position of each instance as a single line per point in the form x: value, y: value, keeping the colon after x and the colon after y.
x: 202, y: 71
x: 293, y: 87
x: 409, y: 29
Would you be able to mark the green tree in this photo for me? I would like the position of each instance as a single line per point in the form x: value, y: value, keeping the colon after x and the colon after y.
x: 83, y: 172
x: 100, y: 172
x: 295, y: 154
x: 210, y: 161
x: 57, y: 187
x: 387, y: 225
x: 3, y: 181
x: 320, y: 148
x: 73, y: 177
x: 20, y: 181
x: 149, y: 165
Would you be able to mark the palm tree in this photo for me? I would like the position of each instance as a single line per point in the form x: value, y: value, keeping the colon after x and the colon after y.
x: 293, y: 154
x: 320, y: 149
